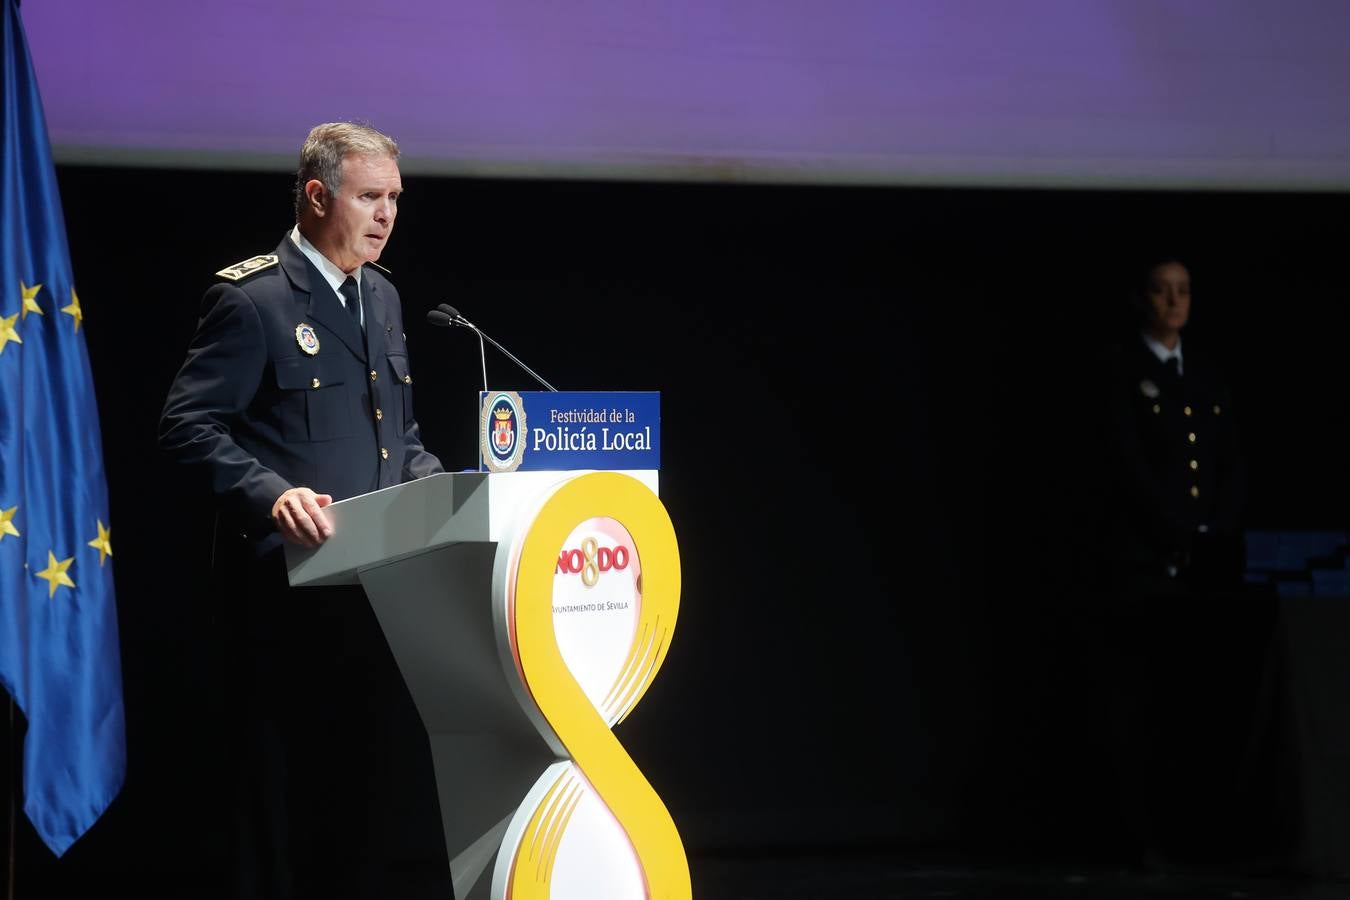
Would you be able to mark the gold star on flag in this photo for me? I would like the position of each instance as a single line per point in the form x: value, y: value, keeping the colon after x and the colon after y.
x: 7, y: 332
x: 55, y: 573
x: 7, y: 522
x: 74, y: 309
x: 102, y: 543
x: 30, y: 299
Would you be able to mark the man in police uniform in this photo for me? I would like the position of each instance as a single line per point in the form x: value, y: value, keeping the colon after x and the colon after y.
x: 1172, y: 560
x: 297, y: 392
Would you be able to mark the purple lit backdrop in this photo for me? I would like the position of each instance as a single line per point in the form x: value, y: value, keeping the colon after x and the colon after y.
x: 1048, y: 92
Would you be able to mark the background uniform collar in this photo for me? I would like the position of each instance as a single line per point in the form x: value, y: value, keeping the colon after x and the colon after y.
x: 1162, y: 352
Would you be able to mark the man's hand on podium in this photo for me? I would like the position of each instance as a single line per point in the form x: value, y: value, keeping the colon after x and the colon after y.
x: 300, y: 517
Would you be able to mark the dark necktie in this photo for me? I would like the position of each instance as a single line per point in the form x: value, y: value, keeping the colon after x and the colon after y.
x: 1173, y: 366
x: 353, y: 295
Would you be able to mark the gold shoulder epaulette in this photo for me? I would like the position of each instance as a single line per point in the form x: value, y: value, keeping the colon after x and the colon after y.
x: 248, y: 267
x: 380, y: 267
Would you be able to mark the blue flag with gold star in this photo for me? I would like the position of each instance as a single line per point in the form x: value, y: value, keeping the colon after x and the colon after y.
x: 59, y: 656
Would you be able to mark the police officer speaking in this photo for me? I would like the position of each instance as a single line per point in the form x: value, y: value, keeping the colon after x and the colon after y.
x: 297, y: 392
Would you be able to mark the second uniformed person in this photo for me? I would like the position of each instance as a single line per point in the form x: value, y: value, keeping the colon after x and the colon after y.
x: 1174, y: 443
x: 296, y: 392
x: 1170, y: 552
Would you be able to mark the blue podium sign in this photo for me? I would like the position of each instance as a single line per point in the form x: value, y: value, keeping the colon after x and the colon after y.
x: 564, y: 430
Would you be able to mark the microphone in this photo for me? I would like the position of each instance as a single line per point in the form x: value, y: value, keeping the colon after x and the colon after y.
x: 446, y: 315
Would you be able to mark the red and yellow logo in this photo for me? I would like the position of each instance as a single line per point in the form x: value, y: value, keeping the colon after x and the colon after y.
x: 593, y: 826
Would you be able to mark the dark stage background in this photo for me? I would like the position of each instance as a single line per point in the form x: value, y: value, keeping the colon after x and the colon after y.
x: 878, y: 459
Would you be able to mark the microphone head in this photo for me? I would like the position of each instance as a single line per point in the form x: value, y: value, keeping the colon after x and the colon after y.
x: 448, y: 310
x: 441, y: 318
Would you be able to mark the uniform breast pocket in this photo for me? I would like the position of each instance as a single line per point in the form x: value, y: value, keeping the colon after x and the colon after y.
x: 315, y: 404
x: 402, y: 388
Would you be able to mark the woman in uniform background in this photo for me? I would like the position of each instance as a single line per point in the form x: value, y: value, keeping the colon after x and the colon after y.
x: 1180, y: 657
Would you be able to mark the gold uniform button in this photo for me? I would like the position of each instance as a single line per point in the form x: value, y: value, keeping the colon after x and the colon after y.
x: 1216, y: 409
x: 1185, y: 410
x: 1156, y: 409
x: 314, y: 383
x: 1191, y: 437
x: 373, y: 375
x: 407, y: 379
x: 1195, y: 464
x: 384, y: 454
x: 1195, y: 491
x: 379, y: 414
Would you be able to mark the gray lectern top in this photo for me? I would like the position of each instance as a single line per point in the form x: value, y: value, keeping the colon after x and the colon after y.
x: 390, y: 524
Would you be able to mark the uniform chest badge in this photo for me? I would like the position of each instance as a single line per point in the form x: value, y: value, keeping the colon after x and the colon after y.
x: 1147, y: 388
x: 306, y: 338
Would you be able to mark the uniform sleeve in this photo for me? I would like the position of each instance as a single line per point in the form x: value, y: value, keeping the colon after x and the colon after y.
x: 417, y: 461
x: 1137, y: 485
x: 209, y: 397
x: 1232, y: 470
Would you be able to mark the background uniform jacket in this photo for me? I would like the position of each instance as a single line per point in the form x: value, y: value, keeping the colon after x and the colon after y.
x: 1177, y: 472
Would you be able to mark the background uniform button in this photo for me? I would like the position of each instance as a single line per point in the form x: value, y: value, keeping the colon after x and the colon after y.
x: 1156, y: 409
x: 1216, y: 409
x: 1195, y: 464
x: 1191, y: 437
x: 1195, y: 491
x: 1185, y: 410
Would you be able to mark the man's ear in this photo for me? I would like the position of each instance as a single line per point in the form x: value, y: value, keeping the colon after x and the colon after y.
x: 316, y: 198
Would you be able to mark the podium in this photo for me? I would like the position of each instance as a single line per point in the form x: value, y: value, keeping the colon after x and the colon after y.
x: 528, y: 612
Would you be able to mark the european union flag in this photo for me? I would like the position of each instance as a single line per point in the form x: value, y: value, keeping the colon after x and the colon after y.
x: 59, y: 656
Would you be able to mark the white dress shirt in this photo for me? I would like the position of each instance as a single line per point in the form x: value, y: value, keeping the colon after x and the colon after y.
x: 330, y: 272
x: 1163, y: 353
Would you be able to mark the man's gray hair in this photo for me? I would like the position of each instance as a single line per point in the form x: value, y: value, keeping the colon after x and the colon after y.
x: 325, y: 148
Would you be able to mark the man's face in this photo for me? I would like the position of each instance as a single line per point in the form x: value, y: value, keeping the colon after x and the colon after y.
x: 358, y: 221
x: 1169, y: 298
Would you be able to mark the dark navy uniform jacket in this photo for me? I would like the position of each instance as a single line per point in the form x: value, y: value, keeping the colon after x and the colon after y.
x: 256, y: 414
x: 1178, y: 468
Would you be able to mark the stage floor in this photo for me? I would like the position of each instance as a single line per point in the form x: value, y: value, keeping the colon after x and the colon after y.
x: 869, y: 877
x: 803, y: 876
